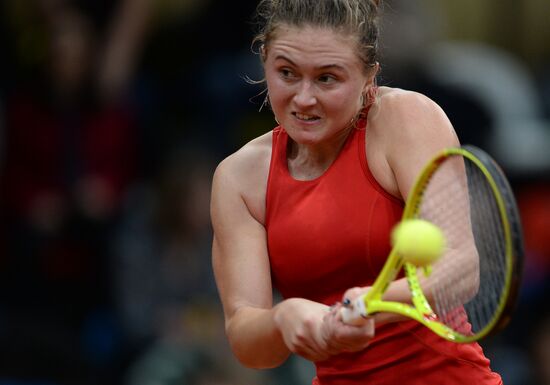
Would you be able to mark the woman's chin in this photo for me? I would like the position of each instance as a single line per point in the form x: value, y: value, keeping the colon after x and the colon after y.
x: 312, y: 135
x: 306, y: 137
x: 305, y: 133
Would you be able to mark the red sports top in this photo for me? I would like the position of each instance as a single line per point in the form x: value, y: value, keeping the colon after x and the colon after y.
x: 331, y: 233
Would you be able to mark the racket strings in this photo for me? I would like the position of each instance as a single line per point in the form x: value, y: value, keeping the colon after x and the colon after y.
x: 439, y: 209
x: 466, y: 284
x: 490, y: 241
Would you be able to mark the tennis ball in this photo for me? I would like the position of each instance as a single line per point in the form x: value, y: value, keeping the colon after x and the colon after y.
x: 418, y: 241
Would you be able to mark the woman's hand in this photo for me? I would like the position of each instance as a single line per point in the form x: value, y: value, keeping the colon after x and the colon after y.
x: 300, y: 323
x: 316, y: 332
x: 341, y: 337
x: 397, y: 291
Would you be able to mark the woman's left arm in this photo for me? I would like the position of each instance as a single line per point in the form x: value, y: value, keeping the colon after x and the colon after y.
x: 407, y: 130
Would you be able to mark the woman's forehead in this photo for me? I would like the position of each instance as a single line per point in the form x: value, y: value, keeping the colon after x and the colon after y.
x: 312, y: 39
x: 312, y: 32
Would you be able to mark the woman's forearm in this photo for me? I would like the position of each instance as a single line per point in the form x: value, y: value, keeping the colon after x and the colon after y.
x: 256, y: 339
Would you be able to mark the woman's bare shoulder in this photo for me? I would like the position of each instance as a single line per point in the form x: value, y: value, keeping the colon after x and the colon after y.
x: 403, y: 109
x: 250, y: 159
x: 244, y: 175
x: 405, y: 130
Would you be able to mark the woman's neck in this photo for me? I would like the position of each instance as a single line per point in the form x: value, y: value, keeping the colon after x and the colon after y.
x: 309, y: 161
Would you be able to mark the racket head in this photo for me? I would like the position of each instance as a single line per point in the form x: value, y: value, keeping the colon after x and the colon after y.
x: 474, y: 285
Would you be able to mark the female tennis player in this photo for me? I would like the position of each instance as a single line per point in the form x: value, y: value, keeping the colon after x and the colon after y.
x: 308, y: 207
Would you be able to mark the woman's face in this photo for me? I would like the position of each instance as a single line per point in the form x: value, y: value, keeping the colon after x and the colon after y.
x: 315, y: 81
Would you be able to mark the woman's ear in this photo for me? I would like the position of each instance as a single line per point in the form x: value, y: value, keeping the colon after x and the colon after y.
x: 263, y: 52
x: 371, y: 80
x: 372, y: 75
x: 375, y: 70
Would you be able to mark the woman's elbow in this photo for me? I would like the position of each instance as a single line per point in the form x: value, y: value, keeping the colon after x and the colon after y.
x: 254, y: 358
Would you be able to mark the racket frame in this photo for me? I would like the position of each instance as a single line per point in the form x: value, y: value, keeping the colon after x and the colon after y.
x: 420, y: 310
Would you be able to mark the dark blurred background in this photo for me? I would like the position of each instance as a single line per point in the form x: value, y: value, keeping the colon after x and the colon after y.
x: 113, y: 115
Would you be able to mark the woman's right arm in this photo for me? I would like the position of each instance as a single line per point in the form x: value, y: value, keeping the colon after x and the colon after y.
x: 241, y: 266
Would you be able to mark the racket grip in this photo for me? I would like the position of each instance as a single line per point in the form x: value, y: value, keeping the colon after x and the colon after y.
x: 355, y: 313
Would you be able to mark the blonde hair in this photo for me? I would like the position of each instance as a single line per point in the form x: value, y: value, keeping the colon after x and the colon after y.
x: 356, y: 18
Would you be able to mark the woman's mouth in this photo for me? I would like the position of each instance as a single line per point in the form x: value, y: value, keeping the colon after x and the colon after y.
x: 305, y: 117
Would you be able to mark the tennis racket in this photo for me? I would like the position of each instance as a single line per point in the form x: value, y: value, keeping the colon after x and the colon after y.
x: 470, y: 291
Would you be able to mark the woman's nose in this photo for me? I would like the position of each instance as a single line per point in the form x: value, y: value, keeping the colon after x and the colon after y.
x: 305, y: 95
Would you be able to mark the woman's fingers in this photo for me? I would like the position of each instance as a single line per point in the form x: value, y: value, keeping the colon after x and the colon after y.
x: 341, y: 337
x: 309, y: 344
x: 353, y: 293
x: 300, y: 323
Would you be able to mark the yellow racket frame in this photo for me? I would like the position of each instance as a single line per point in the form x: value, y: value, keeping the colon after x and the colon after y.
x: 420, y: 310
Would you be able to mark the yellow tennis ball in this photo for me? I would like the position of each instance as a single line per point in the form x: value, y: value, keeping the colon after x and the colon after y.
x: 418, y: 241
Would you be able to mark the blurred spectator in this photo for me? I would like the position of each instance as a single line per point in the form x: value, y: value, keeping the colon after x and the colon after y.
x: 505, y: 87
x: 488, y: 93
x: 163, y: 244
x: 165, y: 288
x: 411, y: 30
x: 194, y: 77
x: 70, y: 157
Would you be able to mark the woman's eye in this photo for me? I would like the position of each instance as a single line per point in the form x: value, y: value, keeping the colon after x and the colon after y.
x: 326, y: 79
x: 286, y: 73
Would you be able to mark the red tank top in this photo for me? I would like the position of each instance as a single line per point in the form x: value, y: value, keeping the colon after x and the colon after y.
x: 331, y: 233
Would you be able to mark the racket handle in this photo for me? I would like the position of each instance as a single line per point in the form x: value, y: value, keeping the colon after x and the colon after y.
x: 354, y: 313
